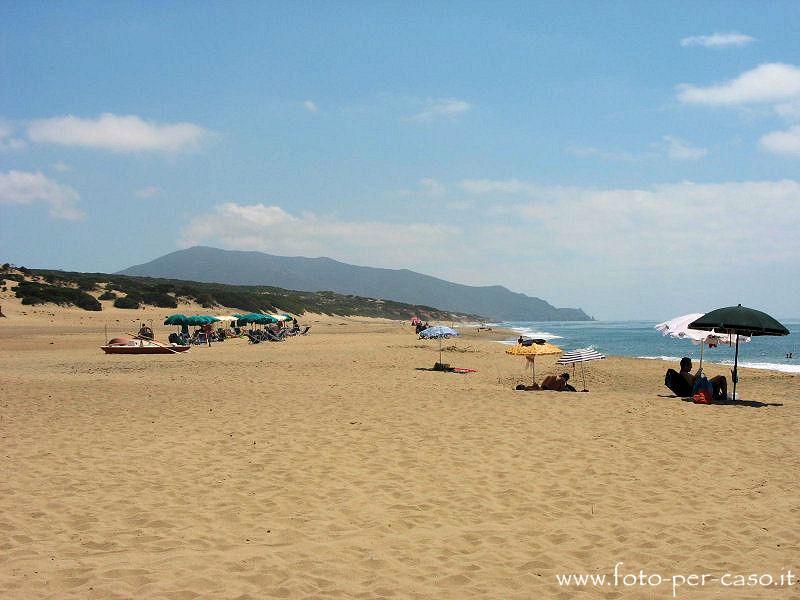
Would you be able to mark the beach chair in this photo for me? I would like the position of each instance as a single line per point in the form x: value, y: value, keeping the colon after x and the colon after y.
x: 273, y: 337
x: 305, y: 331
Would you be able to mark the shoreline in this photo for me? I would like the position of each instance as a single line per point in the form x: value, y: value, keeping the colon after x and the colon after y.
x: 750, y: 363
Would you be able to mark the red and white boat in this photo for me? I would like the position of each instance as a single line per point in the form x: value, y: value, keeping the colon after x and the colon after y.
x: 140, y: 346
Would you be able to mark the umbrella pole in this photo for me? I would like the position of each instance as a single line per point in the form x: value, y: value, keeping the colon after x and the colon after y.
x: 440, y: 349
x: 702, y: 347
x: 736, y: 367
x: 533, y: 369
x: 583, y: 374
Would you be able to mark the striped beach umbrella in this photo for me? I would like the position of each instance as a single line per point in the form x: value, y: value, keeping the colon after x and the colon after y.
x: 580, y: 355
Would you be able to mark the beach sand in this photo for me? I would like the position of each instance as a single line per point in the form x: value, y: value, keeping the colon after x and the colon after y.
x: 327, y: 466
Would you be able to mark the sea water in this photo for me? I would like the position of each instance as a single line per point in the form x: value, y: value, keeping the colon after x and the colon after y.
x: 641, y: 340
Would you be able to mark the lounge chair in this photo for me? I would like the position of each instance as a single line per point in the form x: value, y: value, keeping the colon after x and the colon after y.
x: 677, y: 384
x: 305, y: 331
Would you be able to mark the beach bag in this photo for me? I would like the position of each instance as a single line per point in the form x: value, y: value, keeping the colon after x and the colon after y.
x: 703, y: 391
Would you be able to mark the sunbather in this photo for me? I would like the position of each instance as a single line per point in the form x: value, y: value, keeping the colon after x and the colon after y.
x: 557, y: 384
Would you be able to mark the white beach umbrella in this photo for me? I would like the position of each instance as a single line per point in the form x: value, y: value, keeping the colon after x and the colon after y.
x: 679, y: 328
x: 580, y: 355
x: 280, y: 317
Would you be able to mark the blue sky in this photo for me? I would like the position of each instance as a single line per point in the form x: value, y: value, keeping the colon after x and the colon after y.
x: 637, y: 160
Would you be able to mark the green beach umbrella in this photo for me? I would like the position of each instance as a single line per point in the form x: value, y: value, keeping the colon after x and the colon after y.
x: 739, y: 320
x: 258, y: 318
x: 176, y: 320
x: 196, y: 320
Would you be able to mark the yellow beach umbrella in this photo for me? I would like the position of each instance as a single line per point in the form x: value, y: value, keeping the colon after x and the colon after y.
x: 533, y: 350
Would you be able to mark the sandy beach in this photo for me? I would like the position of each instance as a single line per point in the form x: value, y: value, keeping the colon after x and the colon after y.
x: 327, y: 466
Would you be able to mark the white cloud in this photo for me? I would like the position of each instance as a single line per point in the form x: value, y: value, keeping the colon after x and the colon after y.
x: 652, y: 226
x: 494, y: 186
x: 767, y: 83
x: 432, y: 187
x: 782, y: 142
x: 428, y: 186
x: 61, y: 167
x: 591, y: 151
x: 630, y: 252
x: 7, y: 139
x: 272, y: 229
x: 718, y: 40
x: 118, y: 133
x: 151, y: 191
x: 20, y: 187
x: 441, y: 108
x: 310, y: 106
x: 678, y: 149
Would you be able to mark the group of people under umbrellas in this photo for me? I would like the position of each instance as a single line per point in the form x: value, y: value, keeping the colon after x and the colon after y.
x: 209, y: 328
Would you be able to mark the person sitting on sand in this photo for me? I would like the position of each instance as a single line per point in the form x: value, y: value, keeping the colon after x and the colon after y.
x: 145, y: 332
x: 681, y: 383
x: 557, y: 384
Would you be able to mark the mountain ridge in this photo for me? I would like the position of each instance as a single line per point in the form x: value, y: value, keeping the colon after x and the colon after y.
x: 239, y: 267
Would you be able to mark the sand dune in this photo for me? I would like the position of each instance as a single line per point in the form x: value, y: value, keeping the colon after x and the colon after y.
x: 328, y: 467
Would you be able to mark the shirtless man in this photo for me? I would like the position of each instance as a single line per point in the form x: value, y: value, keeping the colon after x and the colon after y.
x: 719, y: 382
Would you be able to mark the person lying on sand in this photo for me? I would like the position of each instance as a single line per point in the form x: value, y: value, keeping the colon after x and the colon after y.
x: 557, y: 384
x: 528, y: 388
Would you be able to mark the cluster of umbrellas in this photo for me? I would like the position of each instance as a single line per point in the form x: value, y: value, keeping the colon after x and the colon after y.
x: 200, y: 320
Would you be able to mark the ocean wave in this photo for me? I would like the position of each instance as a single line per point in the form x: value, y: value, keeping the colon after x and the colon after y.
x: 764, y: 366
x: 537, y: 335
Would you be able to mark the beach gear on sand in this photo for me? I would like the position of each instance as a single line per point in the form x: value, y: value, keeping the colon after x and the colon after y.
x: 742, y: 321
x: 702, y: 387
x: 445, y: 368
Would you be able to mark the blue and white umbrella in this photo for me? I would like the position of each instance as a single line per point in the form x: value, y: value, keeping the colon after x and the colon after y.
x: 439, y: 332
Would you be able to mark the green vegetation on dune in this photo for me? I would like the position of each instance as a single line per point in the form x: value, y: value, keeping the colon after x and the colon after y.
x: 42, y: 293
x: 63, y: 287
